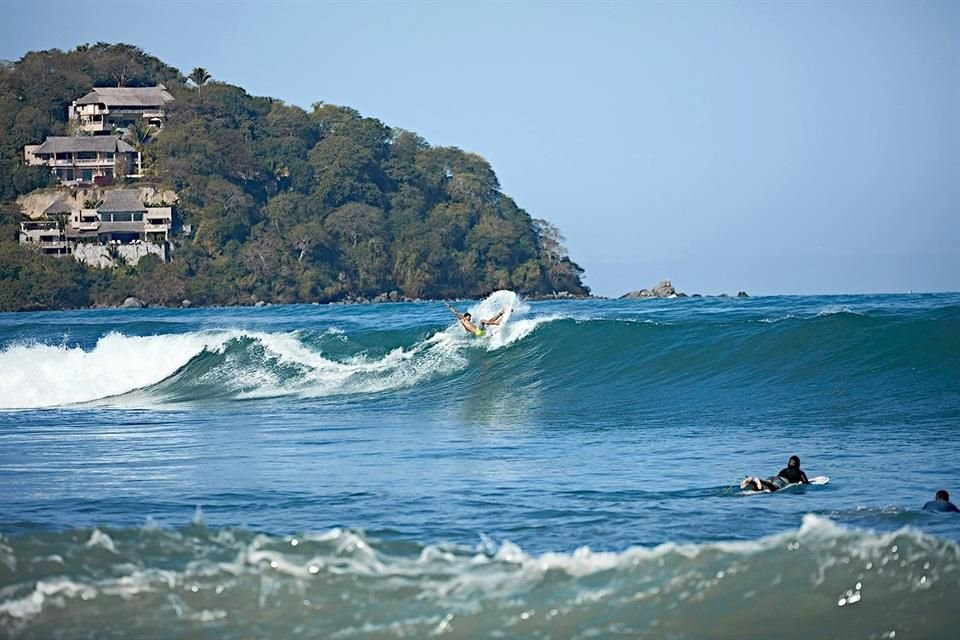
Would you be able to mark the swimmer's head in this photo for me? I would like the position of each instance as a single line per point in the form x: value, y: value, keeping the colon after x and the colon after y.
x: 794, y: 461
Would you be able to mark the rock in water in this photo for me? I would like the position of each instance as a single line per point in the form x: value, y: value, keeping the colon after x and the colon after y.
x: 664, y: 289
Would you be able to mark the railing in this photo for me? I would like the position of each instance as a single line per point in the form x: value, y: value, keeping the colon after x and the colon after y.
x: 83, y: 163
x: 158, y: 228
x: 152, y: 112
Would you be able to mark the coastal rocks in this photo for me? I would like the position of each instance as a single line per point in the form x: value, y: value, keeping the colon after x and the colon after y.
x: 132, y: 303
x: 664, y: 289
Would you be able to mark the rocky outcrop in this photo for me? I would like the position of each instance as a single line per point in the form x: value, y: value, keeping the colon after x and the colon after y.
x: 132, y: 303
x: 664, y: 289
x: 110, y: 255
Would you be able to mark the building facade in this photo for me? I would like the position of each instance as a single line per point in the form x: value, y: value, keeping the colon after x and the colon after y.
x: 85, y: 159
x: 106, y: 109
x: 121, y: 219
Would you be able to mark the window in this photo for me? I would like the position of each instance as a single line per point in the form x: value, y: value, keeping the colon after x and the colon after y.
x: 138, y: 217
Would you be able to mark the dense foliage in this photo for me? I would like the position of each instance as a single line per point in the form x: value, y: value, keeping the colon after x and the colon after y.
x: 276, y: 203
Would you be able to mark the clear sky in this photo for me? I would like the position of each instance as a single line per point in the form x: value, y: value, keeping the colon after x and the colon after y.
x: 772, y: 147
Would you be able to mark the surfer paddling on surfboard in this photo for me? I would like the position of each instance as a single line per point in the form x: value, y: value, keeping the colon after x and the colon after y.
x: 792, y: 474
x: 467, y: 322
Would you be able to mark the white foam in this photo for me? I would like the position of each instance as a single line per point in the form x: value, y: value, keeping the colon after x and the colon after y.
x: 40, y: 375
x: 102, y: 540
x: 32, y: 604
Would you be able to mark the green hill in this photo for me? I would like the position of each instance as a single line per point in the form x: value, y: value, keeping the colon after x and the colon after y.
x: 275, y: 203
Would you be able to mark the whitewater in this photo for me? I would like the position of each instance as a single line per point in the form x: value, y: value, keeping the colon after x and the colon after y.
x: 373, y: 471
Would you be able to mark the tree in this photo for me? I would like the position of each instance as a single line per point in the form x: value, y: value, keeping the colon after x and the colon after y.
x: 199, y: 77
x: 139, y: 133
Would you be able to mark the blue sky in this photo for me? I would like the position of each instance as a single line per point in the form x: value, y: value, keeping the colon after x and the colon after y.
x: 788, y: 147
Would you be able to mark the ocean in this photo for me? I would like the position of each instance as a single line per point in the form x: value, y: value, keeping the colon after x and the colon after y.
x: 372, y: 471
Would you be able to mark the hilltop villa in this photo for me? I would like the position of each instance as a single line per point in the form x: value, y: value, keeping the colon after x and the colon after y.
x: 86, y: 159
x: 106, y: 108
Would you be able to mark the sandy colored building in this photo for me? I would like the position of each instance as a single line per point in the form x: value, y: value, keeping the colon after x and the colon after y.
x: 105, y: 109
x: 85, y: 159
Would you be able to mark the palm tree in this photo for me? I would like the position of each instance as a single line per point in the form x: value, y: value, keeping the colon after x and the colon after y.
x: 139, y: 133
x: 199, y: 76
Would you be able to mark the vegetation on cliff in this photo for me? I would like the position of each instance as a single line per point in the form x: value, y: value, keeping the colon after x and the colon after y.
x: 275, y: 203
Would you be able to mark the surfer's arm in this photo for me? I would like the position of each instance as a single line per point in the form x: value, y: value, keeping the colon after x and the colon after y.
x: 455, y: 312
x: 803, y: 478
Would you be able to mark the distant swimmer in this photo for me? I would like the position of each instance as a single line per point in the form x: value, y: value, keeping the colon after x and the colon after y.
x: 941, y: 502
x: 467, y: 322
x: 792, y: 474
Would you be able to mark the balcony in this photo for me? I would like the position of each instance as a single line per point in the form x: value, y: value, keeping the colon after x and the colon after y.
x: 96, y: 127
x: 92, y: 164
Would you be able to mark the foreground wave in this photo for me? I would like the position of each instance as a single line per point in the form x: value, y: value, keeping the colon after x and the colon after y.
x: 820, y: 581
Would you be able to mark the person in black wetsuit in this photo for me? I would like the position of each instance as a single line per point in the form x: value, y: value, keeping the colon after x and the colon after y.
x: 792, y: 474
x: 941, y: 502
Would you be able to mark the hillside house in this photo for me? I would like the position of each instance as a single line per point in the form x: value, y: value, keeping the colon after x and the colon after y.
x: 120, y: 220
x: 105, y: 109
x: 85, y: 159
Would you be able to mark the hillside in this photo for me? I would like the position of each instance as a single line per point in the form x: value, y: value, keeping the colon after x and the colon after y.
x: 275, y: 203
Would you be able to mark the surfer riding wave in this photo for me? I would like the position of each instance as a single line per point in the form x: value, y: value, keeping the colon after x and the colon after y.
x: 467, y: 322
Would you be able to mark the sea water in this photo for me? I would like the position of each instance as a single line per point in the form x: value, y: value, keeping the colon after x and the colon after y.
x: 373, y: 471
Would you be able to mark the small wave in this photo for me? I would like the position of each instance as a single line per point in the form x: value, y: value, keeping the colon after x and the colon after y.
x: 334, y: 583
x: 838, y: 310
